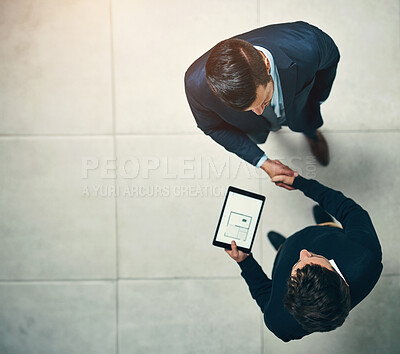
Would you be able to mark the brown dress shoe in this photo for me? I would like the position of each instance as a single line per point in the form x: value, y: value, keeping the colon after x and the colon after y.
x: 319, y: 148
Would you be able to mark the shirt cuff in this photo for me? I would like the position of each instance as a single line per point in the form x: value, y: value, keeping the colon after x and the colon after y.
x: 261, y: 161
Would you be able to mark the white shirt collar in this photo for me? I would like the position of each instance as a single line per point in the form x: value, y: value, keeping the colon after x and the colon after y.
x: 335, y: 267
x: 277, y: 97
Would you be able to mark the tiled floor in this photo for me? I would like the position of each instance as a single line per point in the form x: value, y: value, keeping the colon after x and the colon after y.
x: 110, y: 194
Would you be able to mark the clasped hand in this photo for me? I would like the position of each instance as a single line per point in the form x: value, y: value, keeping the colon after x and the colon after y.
x: 282, y: 175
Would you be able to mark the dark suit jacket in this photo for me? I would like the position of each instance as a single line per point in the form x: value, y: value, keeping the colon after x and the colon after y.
x: 355, y: 249
x: 306, y: 59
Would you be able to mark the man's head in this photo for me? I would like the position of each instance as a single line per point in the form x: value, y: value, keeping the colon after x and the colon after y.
x: 317, y: 297
x: 238, y: 74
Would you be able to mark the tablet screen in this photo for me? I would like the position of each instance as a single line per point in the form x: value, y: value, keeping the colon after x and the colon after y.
x: 239, y: 219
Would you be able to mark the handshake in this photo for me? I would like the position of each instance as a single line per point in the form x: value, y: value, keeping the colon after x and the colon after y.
x: 282, y: 175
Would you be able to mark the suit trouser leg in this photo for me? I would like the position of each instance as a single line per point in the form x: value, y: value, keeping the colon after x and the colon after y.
x: 323, y: 83
x: 320, y: 92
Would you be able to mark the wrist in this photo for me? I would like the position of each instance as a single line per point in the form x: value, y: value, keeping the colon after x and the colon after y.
x: 299, y: 182
x: 266, y: 166
x: 245, y: 256
x: 244, y: 263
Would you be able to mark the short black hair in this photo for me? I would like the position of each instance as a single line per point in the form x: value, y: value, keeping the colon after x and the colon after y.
x: 317, y: 298
x: 234, y: 70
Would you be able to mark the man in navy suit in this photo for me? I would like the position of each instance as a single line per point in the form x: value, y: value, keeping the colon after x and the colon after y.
x: 258, y: 81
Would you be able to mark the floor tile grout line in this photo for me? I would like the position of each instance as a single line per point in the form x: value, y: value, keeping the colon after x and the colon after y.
x: 262, y: 333
x: 113, y: 110
x: 114, y: 134
x: 113, y: 280
x: 260, y: 190
x: 261, y: 322
x: 96, y: 135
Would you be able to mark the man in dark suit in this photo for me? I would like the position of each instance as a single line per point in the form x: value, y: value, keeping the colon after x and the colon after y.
x: 321, y: 272
x: 258, y: 81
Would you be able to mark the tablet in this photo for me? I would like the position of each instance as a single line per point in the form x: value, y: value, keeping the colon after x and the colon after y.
x: 239, y: 219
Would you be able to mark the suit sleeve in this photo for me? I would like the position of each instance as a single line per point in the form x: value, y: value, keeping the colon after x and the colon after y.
x: 231, y: 138
x: 260, y: 285
x: 356, y: 222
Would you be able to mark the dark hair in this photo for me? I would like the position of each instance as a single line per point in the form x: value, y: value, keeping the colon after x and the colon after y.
x: 234, y: 70
x: 317, y: 298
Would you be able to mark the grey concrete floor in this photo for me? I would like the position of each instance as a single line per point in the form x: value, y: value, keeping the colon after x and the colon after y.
x: 110, y: 194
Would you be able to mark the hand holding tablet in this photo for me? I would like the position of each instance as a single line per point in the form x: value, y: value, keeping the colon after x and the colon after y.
x: 239, y: 219
x: 235, y: 254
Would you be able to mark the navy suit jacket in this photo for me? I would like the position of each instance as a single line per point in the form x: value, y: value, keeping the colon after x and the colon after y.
x: 306, y: 59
